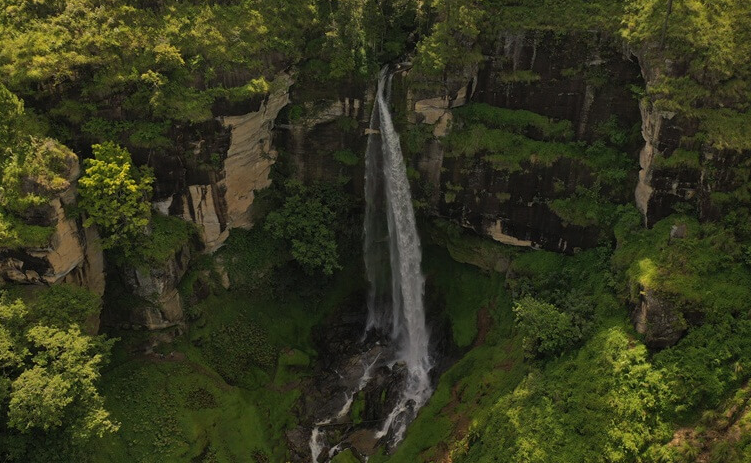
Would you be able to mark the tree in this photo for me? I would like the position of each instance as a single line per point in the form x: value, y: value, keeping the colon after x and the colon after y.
x: 451, y: 48
x: 48, y: 376
x: 546, y: 331
x: 307, y: 223
x: 115, y: 195
x: 11, y: 110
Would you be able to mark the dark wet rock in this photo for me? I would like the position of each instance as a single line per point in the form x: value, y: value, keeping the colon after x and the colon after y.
x: 660, y: 321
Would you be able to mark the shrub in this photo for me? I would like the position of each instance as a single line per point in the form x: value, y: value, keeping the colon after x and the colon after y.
x: 307, y: 223
x: 546, y: 330
x: 65, y: 304
x: 115, y: 196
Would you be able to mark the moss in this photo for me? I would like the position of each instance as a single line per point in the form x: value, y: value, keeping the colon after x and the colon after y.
x: 585, y: 208
x: 510, y: 152
x: 523, y: 76
x: 574, y: 15
x: 251, y: 258
x: 702, y: 272
x: 517, y: 121
x: 345, y: 457
x: 14, y: 234
x: 346, y: 157
x: 467, y: 247
x: 726, y: 128
x: 680, y: 158
x: 168, y: 235
x: 357, y: 408
x: 504, y: 150
x: 464, y: 290
x: 163, y: 418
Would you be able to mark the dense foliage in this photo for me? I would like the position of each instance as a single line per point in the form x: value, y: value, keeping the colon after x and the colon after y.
x: 545, y: 329
x: 49, y: 375
x: 552, y: 371
x: 309, y: 220
x: 115, y: 196
x: 32, y: 170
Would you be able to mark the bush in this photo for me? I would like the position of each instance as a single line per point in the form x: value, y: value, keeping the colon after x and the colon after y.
x: 65, y: 304
x: 518, y: 121
x: 115, y: 195
x: 546, y: 330
x: 307, y: 222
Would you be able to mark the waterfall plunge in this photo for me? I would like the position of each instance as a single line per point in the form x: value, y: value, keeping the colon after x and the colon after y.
x: 387, y: 187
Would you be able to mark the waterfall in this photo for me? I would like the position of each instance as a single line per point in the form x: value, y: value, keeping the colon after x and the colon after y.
x: 387, y: 188
x: 392, y: 254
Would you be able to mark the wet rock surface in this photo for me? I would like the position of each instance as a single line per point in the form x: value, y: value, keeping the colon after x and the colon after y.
x: 344, y: 408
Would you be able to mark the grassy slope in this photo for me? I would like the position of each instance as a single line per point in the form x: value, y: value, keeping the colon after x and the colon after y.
x: 180, y: 409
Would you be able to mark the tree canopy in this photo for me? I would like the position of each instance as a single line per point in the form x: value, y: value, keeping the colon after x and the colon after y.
x: 49, y: 371
x: 115, y: 195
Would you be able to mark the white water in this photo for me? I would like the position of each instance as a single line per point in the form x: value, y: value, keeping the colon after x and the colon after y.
x: 392, y: 254
x: 407, y: 317
x: 317, y: 441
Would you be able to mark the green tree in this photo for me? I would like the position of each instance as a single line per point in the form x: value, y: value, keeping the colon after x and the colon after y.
x: 307, y: 223
x: 115, y: 195
x: 546, y: 330
x: 11, y: 110
x: 451, y: 48
x: 48, y: 377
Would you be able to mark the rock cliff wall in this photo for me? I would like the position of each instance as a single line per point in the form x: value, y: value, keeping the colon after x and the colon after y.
x: 72, y: 255
x: 582, y: 78
x: 222, y: 200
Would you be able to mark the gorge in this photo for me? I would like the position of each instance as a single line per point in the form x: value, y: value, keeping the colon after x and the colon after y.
x: 379, y: 231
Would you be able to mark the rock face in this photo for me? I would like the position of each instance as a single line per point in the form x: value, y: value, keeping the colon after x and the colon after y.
x: 332, y: 125
x: 660, y: 323
x: 225, y: 200
x: 160, y: 304
x: 663, y: 184
x: 583, y: 78
x: 73, y: 255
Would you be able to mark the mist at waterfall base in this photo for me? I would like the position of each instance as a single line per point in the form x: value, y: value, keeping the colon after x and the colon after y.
x: 396, y: 313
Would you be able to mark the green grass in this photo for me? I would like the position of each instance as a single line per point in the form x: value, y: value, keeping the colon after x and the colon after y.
x: 176, y: 411
x: 229, y: 393
x: 679, y: 159
x: 585, y: 208
x: 511, y: 152
x: 464, y: 289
